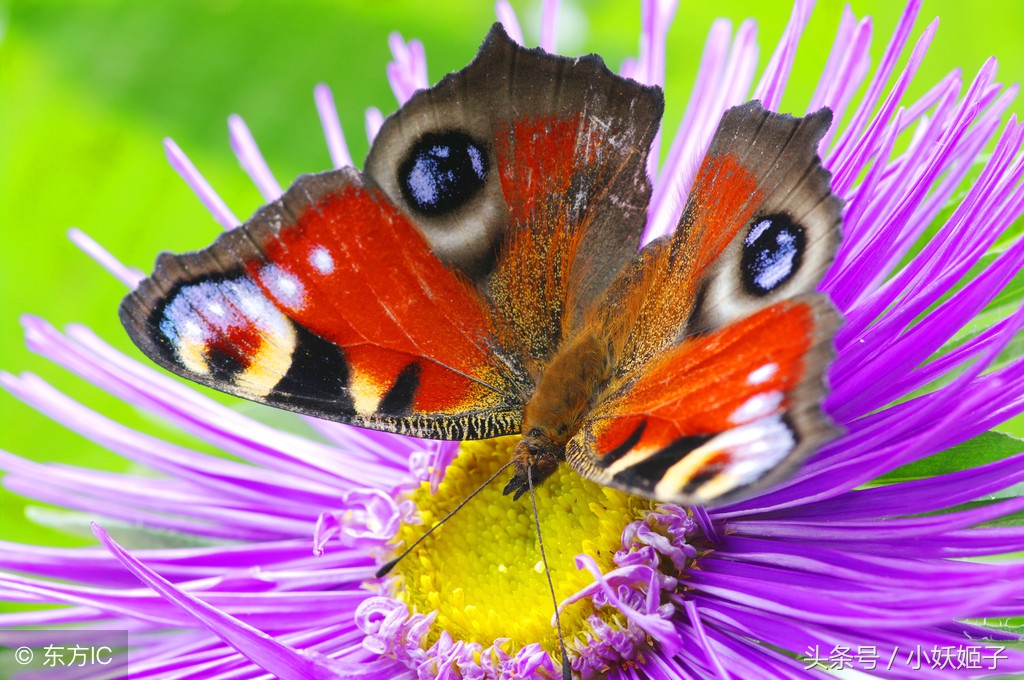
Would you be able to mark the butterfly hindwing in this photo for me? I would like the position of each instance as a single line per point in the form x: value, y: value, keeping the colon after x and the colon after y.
x: 719, y: 374
x: 718, y: 412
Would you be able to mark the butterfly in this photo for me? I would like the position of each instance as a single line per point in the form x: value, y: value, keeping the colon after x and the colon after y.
x: 483, y: 276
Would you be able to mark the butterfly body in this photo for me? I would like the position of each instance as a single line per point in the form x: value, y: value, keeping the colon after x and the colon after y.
x: 484, y: 276
x: 564, y: 395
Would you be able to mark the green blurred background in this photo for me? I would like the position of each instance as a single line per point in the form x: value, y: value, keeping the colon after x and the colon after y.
x: 88, y: 89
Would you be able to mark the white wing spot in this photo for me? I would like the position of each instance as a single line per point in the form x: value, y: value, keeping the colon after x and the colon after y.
x: 753, y: 449
x: 232, y: 304
x: 769, y: 441
x: 758, y: 406
x: 287, y: 289
x: 763, y: 374
x: 321, y: 260
x: 191, y: 330
x: 756, y: 231
x: 286, y: 286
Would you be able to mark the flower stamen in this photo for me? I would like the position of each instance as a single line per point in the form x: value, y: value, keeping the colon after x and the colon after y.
x: 612, y: 560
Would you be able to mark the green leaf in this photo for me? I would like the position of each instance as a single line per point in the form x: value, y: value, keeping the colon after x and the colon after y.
x: 987, y: 447
x: 130, y: 535
x: 1014, y: 519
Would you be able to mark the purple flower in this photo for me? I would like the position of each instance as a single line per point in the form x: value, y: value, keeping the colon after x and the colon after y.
x: 261, y: 561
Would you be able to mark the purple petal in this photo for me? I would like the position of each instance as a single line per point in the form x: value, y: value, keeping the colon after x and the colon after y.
x: 244, y: 146
x: 333, y: 134
x: 200, y: 187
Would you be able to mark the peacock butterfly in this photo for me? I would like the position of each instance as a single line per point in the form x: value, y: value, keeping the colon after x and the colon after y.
x: 481, y: 277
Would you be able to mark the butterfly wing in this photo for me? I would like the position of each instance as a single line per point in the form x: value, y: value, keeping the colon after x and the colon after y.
x: 718, y: 413
x: 295, y: 309
x: 721, y: 355
x: 392, y: 299
x: 569, y: 142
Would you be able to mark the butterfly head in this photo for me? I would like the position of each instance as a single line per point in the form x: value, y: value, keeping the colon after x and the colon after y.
x: 536, y: 457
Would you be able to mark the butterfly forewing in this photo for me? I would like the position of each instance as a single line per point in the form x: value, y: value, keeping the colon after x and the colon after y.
x: 294, y: 310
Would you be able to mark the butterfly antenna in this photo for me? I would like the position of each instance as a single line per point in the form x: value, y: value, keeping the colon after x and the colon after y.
x: 383, y: 571
x: 566, y: 668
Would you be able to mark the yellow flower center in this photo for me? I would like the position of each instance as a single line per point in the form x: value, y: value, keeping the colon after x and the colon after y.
x: 482, y: 570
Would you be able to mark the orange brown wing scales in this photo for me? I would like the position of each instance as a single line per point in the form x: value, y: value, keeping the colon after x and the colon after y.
x: 720, y: 413
x: 305, y: 318
x: 530, y: 285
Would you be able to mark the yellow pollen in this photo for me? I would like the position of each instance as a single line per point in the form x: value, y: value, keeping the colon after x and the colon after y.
x: 482, y: 570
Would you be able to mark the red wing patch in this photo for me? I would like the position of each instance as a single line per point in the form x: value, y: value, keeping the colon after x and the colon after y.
x: 724, y: 197
x: 325, y: 271
x: 538, y: 160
